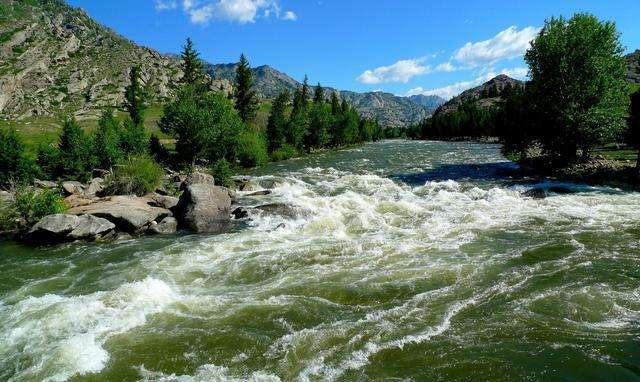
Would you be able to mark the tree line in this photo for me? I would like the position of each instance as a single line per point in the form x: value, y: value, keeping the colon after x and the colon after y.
x: 576, y: 98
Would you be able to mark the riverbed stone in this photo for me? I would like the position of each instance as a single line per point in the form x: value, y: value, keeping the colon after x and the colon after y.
x: 129, y: 213
x: 95, y: 187
x: 166, y: 226
x: 46, y: 184
x: 65, y: 227
x: 197, y: 178
x: 204, y: 208
x: 72, y: 187
x: 162, y: 201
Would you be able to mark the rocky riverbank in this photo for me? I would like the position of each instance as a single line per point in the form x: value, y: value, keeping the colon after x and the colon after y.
x: 200, y: 206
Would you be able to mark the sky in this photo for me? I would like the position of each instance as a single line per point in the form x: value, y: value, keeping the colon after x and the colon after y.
x: 404, y: 47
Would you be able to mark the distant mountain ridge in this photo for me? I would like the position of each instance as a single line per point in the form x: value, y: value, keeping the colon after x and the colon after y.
x: 390, y: 110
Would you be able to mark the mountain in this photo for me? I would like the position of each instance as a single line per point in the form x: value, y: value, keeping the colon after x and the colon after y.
x: 485, y: 95
x: 633, y: 67
x: 388, y: 109
x: 430, y: 102
x: 55, y: 59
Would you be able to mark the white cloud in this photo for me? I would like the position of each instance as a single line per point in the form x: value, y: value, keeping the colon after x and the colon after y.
x: 509, y: 43
x: 450, y: 91
x: 240, y: 11
x: 401, y: 71
x: 163, y: 5
x: 289, y: 15
x: 445, y: 67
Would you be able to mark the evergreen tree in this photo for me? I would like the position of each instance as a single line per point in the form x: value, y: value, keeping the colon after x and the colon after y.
x: 15, y: 164
x: 75, y: 151
x: 318, y: 96
x: 277, y: 124
x: 335, y: 104
x: 107, y: 141
x: 192, y: 67
x: 320, y: 120
x: 299, y: 120
x: 135, y: 97
x: 245, y: 98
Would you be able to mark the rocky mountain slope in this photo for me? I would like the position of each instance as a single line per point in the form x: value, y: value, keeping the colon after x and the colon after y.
x: 633, y: 67
x: 55, y: 59
x: 485, y: 95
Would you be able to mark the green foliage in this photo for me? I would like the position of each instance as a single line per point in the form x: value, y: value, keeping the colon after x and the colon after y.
x: 133, y: 139
x: 284, y: 152
x: 245, y: 98
x: 579, y: 94
x: 299, y: 120
x: 31, y: 204
x: 277, y: 124
x: 157, y: 150
x: 137, y: 175
x: 75, y: 159
x: 204, y: 124
x: 320, y: 120
x: 107, y: 147
x: 135, y: 97
x: 468, y: 121
x: 15, y: 163
x: 222, y: 173
x: 251, y: 150
x: 192, y: 67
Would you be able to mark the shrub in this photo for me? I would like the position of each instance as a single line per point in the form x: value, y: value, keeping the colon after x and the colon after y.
x: 8, y: 218
x: 31, y: 204
x: 15, y: 163
x: 138, y: 175
x: 222, y: 173
x: 252, y: 149
x: 285, y: 152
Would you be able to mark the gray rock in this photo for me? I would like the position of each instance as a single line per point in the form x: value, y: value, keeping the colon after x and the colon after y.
x: 260, y: 193
x: 240, y: 213
x: 95, y: 187
x: 167, y: 226
x: 45, y: 184
x: 197, y: 178
x: 204, y: 208
x: 64, y: 227
x: 280, y: 209
x: 72, y: 187
x: 129, y: 213
x: 162, y: 201
x: 6, y: 197
x: 91, y: 228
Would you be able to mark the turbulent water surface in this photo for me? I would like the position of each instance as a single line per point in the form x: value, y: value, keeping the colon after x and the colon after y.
x: 397, y: 261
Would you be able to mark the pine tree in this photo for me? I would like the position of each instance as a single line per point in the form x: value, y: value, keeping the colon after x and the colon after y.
x: 318, y: 96
x: 305, y: 91
x: 245, y: 98
x: 335, y: 104
x: 299, y: 122
x: 135, y: 97
x: 192, y: 66
x: 277, y: 124
x: 75, y: 151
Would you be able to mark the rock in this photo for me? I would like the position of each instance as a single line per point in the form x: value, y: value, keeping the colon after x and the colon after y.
x: 197, y: 178
x: 45, y: 184
x: 99, y: 173
x: 260, y: 193
x: 76, y: 200
x: 162, y: 201
x: 92, y: 228
x: 535, y: 193
x: 204, y: 208
x: 6, y: 197
x: 64, y: 227
x: 72, y: 187
x: 167, y: 226
x: 95, y: 187
x: 129, y: 213
x: 280, y: 209
x: 240, y: 213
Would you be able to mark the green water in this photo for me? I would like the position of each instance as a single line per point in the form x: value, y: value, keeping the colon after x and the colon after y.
x: 402, y: 261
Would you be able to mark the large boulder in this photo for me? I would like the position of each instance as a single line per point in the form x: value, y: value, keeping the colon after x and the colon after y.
x: 197, y: 178
x: 72, y: 188
x: 65, y: 227
x: 129, y: 213
x: 162, y: 201
x: 95, y: 187
x: 167, y: 226
x: 204, y: 208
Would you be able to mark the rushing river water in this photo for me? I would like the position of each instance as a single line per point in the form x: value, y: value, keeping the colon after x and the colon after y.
x: 400, y: 260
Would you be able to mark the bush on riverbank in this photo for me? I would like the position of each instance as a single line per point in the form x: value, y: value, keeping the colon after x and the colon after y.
x: 15, y: 163
x: 28, y: 206
x: 138, y: 175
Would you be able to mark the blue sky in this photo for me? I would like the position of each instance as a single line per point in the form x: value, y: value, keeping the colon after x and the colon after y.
x: 399, y: 46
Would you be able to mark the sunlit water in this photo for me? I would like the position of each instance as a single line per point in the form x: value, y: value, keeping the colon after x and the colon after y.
x: 401, y: 261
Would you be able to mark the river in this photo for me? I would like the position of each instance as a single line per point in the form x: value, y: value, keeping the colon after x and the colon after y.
x: 400, y: 261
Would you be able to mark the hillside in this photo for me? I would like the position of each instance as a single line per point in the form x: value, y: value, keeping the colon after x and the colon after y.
x: 55, y: 59
x: 633, y: 67
x: 485, y: 95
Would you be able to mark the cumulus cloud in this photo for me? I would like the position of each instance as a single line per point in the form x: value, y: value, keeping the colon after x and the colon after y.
x: 509, y: 43
x: 163, y: 5
x: 241, y: 11
x: 450, y: 91
x: 401, y: 71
